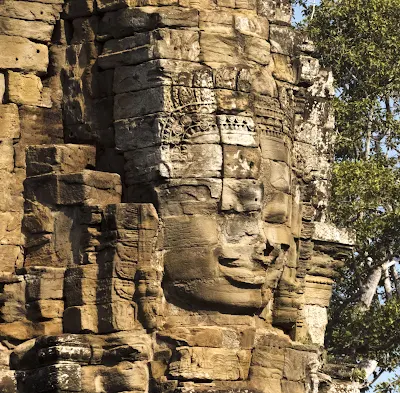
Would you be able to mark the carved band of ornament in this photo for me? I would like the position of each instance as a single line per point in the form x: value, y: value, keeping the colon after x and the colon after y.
x: 286, y: 138
x: 319, y: 280
x: 177, y: 126
x: 235, y: 123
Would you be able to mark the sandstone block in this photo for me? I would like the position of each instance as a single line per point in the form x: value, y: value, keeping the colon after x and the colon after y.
x: 59, y: 158
x: 241, y: 195
x: 241, y: 162
x: 127, y: 21
x: 25, y: 89
x: 10, y: 228
x: 29, y: 10
x: 253, y: 26
x: 197, y: 336
x: 316, y: 318
x: 78, y: 8
x: 278, y: 234
x: 258, y: 50
x: 87, y: 187
x: 328, y: 232
x: 38, y: 126
x: 274, y: 148
x: 296, y: 363
x: 210, y: 364
x: 9, y: 121
x: 160, y: 73
x: 318, y: 290
x: 137, y: 133
x: 216, y: 23
x: 65, y: 377
x: 13, y: 302
x: 283, y: 69
x: 37, y: 218
x: 201, y: 231
x: 45, y: 309
x: 35, y: 30
x: 44, y: 283
x: 308, y: 70
x: 323, y: 85
x: 11, y: 188
x: 281, y: 12
x: 305, y: 156
x: 85, y: 29
x: 21, y: 54
x: 148, y: 101
x: 245, y: 4
x: 279, y: 176
x: 282, y: 39
x: 292, y: 387
x: 51, y: 349
x: 196, y: 161
x: 261, y: 381
x: 189, y: 196
x: 237, y: 130
x: 6, y: 155
x: 84, y: 291
x: 9, y: 255
x: 262, y: 82
x: 159, y: 44
x: 219, y: 48
x: 226, y: 77
x: 25, y: 330
x: 123, y: 377
x: 271, y: 359
x: 175, y: 101
x: 112, y: 5
x: 102, y: 318
x: 270, y: 108
x: 232, y: 102
x: 277, y: 208
x: 199, y: 262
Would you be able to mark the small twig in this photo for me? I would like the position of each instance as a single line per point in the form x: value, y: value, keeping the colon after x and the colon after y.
x: 313, y: 9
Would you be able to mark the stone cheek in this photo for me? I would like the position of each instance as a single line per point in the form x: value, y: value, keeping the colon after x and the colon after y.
x: 164, y: 166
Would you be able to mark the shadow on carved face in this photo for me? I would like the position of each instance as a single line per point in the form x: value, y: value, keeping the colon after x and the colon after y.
x: 222, y: 263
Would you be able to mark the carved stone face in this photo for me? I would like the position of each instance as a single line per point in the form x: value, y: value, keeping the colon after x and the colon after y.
x: 224, y: 195
x: 210, y: 138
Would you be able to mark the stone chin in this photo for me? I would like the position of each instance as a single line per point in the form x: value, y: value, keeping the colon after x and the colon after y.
x: 221, y: 294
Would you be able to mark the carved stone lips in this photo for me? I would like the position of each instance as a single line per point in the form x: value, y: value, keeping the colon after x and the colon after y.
x: 242, y: 271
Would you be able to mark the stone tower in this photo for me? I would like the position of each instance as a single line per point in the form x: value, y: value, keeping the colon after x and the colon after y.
x: 164, y: 170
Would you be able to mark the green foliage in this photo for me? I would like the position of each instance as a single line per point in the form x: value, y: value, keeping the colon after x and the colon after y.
x: 360, y: 41
x: 392, y: 385
x: 366, y: 199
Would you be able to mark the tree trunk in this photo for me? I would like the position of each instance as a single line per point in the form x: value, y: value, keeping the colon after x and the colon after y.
x: 387, y: 283
x: 395, y: 278
x: 369, y: 289
x: 369, y: 136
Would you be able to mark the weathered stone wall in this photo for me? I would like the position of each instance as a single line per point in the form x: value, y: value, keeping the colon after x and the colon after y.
x: 165, y: 171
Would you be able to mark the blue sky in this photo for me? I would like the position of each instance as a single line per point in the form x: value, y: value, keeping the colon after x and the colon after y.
x: 297, y: 14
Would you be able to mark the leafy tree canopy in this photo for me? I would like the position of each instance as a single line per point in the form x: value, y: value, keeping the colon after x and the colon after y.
x: 360, y: 41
